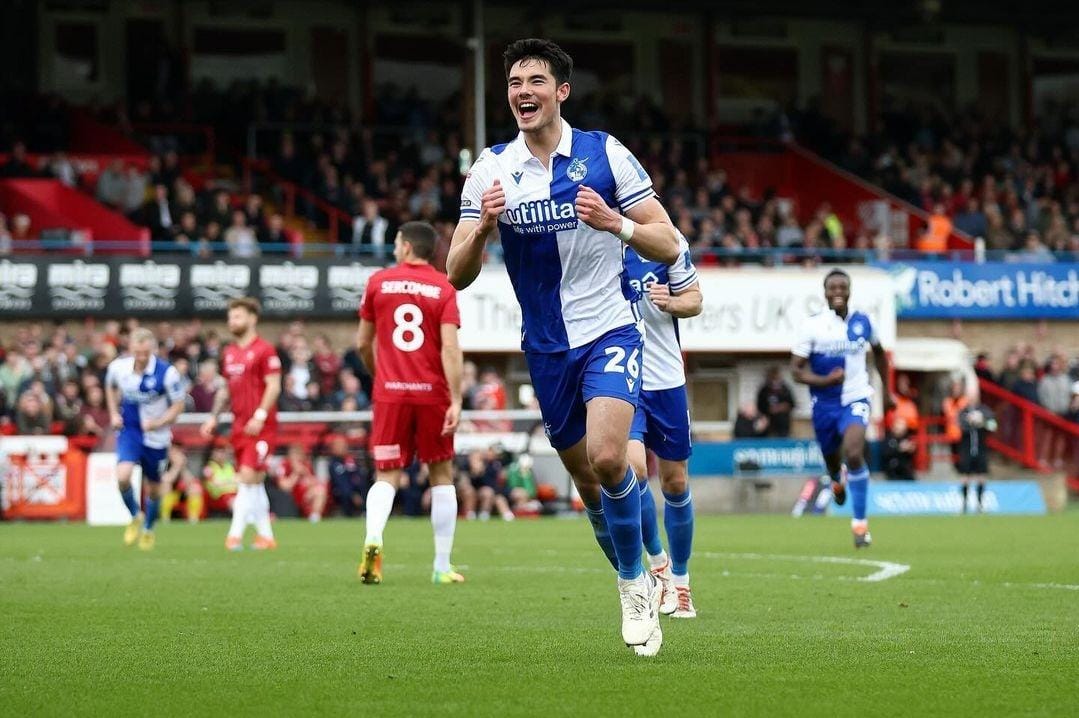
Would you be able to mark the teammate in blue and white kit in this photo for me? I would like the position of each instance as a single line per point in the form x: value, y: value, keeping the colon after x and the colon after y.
x: 665, y: 294
x: 145, y: 395
x: 565, y: 204
x: 830, y: 357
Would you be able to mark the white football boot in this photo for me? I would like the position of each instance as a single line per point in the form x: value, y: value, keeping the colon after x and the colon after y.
x: 640, y: 599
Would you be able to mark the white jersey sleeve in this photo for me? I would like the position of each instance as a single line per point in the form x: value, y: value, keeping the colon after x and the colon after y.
x: 803, y: 345
x: 478, y: 180
x: 682, y: 274
x: 112, y: 374
x: 632, y: 183
x: 174, y: 385
x: 871, y: 335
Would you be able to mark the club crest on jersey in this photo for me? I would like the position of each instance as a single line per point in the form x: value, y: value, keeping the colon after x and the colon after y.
x: 517, y: 176
x: 577, y: 169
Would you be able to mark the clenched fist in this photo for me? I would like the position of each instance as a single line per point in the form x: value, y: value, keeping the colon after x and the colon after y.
x: 492, y: 204
x: 593, y: 211
x: 660, y: 294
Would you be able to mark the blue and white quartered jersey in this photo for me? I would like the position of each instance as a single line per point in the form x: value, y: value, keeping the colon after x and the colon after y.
x: 145, y: 396
x: 663, y: 364
x: 829, y: 341
x: 566, y: 275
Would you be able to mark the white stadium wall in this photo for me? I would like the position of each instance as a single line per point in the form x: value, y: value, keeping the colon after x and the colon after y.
x: 745, y: 310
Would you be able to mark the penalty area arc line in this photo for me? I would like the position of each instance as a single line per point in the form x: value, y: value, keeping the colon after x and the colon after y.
x: 885, y: 569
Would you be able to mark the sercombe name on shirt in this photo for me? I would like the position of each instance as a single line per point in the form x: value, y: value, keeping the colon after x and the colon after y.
x: 405, y: 286
x: 566, y: 275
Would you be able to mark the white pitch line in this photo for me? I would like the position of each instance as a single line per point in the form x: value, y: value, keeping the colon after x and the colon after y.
x: 1064, y: 586
x: 885, y: 569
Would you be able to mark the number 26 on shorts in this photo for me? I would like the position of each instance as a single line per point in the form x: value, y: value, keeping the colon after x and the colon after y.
x: 614, y: 364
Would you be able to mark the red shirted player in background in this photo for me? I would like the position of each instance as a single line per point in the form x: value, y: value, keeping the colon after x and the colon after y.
x: 252, y: 371
x: 408, y: 340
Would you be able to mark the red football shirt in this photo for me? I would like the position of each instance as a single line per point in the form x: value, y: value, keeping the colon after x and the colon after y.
x: 246, y: 369
x: 408, y: 305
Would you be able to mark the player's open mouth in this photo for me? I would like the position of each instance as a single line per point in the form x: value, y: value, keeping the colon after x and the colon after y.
x: 527, y: 110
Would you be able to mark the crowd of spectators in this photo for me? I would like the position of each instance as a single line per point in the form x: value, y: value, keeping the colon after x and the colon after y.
x: 51, y: 377
x: 215, y: 219
x: 1048, y: 380
x: 1018, y: 189
x: 406, y: 163
x: 51, y: 382
x: 489, y: 482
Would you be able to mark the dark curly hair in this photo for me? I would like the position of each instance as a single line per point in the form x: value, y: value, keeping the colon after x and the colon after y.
x: 560, y: 63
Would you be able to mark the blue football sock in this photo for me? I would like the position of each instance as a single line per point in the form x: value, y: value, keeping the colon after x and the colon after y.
x: 678, y: 520
x: 858, y: 485
x: 649, y: 522
x: 128, y: 495
x: 622, y: 505
x: 151, y: 513
x: 603, y: 536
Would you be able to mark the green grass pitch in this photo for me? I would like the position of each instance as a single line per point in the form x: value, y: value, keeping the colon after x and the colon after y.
x: 985, y: 622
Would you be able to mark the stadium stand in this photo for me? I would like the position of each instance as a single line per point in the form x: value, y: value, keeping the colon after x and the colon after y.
x: 260, y: 168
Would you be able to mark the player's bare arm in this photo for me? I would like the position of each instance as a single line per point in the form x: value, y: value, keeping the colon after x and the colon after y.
x: 654, y: 237
x: 803, y: 374
x: 167, y: 419
x: 221, y: 399
x: 112, y: 398
x: 684, y: 304
x: 365, y: 345
x: 465, y: 258
x: 452, y: 364
x: 269, y: 401
x: 883, y: 364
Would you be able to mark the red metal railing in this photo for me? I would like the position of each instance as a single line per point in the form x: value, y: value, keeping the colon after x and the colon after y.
x: 924, y: 439
x: 1027, y: 434
x: 1032, y: 435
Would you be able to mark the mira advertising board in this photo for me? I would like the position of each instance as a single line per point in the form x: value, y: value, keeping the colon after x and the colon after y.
x: 179, y: 286
x: 994, y: 290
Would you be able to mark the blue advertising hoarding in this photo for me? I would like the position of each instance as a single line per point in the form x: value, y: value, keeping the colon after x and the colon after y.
x: 895, y: 498
x: 993, y: 290
x: 765, y: 457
